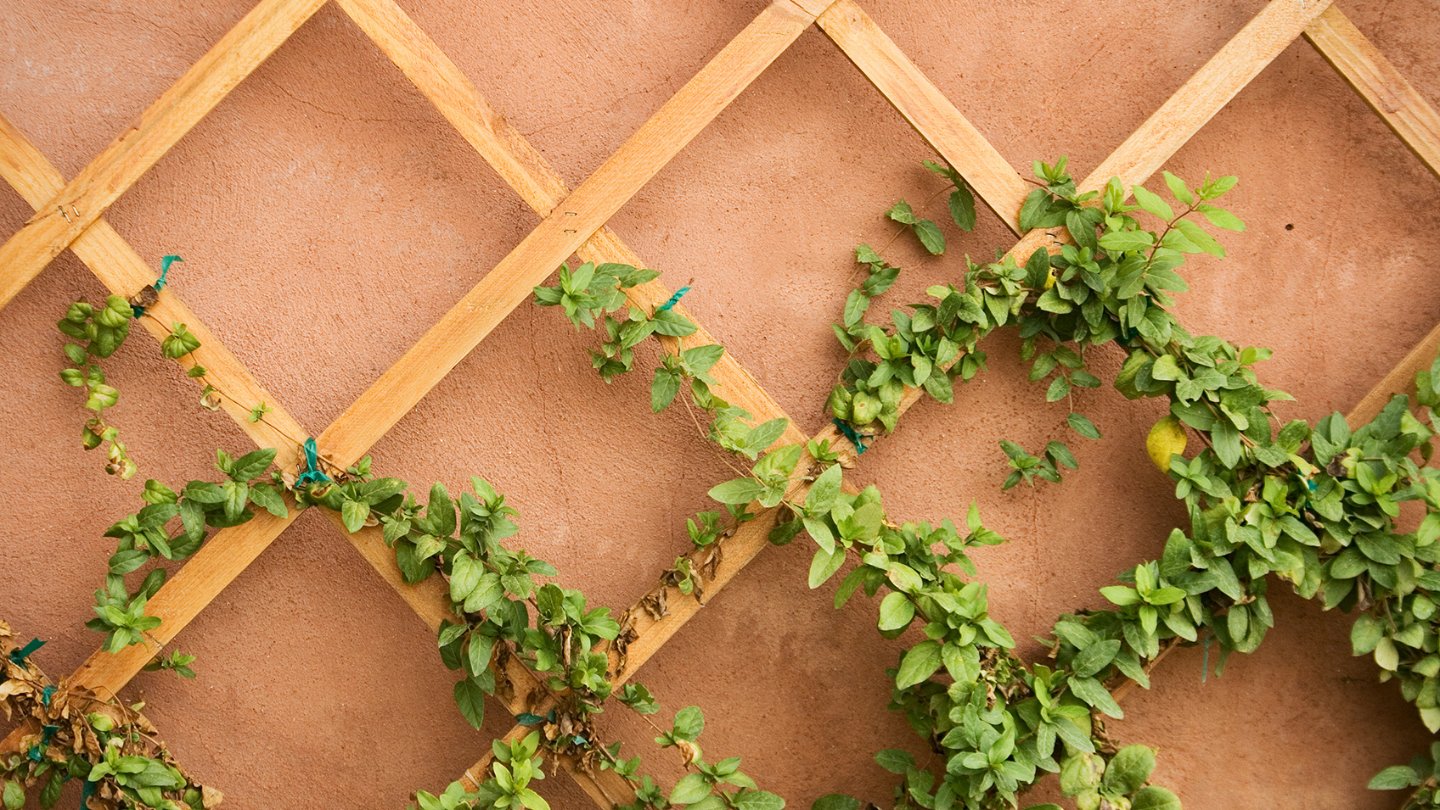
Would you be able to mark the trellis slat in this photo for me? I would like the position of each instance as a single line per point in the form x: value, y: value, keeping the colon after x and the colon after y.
x: 85, y: 199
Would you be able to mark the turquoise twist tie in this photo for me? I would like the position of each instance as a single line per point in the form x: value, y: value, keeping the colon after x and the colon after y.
x: 528, y: 719
x: 674, y: 299
x: 46, y: 694
x: 165, y: 262
x: 37, y: 752
x: 855, y: 438
x: 18, y: 656
x: 312, y: 474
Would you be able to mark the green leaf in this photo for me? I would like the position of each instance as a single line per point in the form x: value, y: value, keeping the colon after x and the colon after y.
x: 962, y: 208
x: 354, y: 513
x: 689, y: 723
x: 1129, y: 769
x: 918, y: 664
x: 14, y: 795
x: 930, y: 236
x: 268, y: 498
x: 1177, y: 188
x: 1154, y: 798
x: 1082, y: 425
x: 824, y: 565
x: 690, y: 789
x: 836, y: 801
x: 1123, y: 241
x: 1095, y: 657
x: 663, y: 389
x: 739, y: 491
x: 1395, y: 777
x: 824, y: 491
x: 759, y: 800
x: 471, y: 700
x: 1365, y: 634
x: 902, y: 213
x: 1151, y: 202
x: 896, y: 611
x: 1094, y: 693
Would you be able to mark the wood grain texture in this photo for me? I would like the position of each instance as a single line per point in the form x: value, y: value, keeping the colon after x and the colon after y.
x: 1366, y: 69
x: 1206, y: 92
x: 581, y: 214
x: 927, y: 109
x: 61, y: 219
x: 123, y: 272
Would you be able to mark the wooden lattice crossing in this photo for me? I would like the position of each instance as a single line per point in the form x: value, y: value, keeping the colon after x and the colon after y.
x: 71, y: 215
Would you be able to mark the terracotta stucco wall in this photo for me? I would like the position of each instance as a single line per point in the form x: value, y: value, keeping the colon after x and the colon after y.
x: 327, y: 215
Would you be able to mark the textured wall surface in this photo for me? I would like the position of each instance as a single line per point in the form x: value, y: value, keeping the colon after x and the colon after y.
x: 328, y: 215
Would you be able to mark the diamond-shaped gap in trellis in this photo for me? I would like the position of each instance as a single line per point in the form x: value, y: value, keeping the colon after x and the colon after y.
x: 602, y: 484
x: 1236, y: 735
x: 325, y: 225
x: 317, y: 686
x: 764, y: 209
x: 794, y: 687
x: 1018, y: 70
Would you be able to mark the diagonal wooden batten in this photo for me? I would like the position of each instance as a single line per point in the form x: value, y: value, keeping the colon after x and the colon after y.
x: 116, y: 264
x: 922, y: 104
x: 1208, y: 91
x: 1366, y: 69
x: 1203, y: 95
x: 565, y: 229
x: 85, y: 199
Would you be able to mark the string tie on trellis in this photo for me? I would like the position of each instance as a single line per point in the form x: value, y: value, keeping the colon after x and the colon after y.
x: 528, y: 719
x: 313, y: 474
x: 855, y: 438
x: 149, y: 295
x: 18, y: 657
x: 37, y: 751
x: 674, y: 299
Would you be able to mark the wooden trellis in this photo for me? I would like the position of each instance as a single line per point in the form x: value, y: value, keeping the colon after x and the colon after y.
x: 70, y: 215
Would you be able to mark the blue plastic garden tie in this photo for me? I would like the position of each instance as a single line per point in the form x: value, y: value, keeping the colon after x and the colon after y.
x: 159, y: 284
x: 46, y: 694
x: 674, y: 299
x: 312, y: 474
x: 855, y: 438
x: 18, y: 656
x: 581, y: 740
x: 37, y: 752
x: 527, y: 719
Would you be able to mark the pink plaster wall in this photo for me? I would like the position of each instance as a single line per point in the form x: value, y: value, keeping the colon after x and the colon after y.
x: 328, y: 215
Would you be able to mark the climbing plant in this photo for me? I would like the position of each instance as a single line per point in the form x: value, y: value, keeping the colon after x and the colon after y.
x: 501, y: 611
x: 1312, y: 505
x: 1315, y: 506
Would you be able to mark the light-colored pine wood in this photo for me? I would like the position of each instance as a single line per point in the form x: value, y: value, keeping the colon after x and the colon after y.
x: 1207, y: 92
x: 927, y: 109
x: 85, y: 199
x: 581, y: 214
x: 526, y: 171
x: 1399, y: 380
x: 123, y: 272
x: 1377, y: 81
